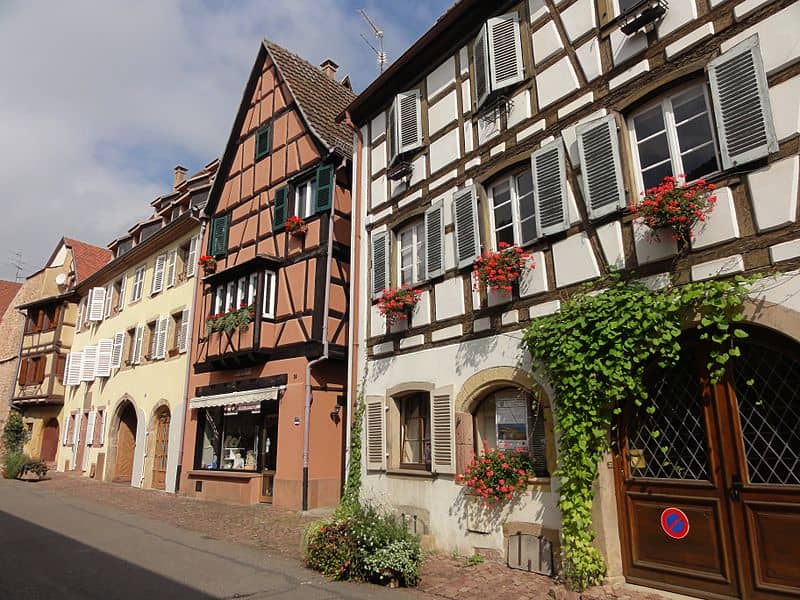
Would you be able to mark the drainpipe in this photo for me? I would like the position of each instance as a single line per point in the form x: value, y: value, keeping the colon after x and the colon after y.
x: 324, y: 356
x: 203, y: 222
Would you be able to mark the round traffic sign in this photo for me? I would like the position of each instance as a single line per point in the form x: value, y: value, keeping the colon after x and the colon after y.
x: 675, y: 523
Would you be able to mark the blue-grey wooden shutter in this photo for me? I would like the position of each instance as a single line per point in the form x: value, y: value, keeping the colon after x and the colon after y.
x: 480, y: 49
x: 380, y: 262
x: 434, y: 240
x: 409, y: 120
x: 742, y: 109
x: 550, y: 188
x: 325, y: 187
x: 505, y: 51
x: 391, y: 132
x: 598, y: 149
x: 263, y: 141
x: 218, y: 240
x: 281, y: 198
x: 465, y: 217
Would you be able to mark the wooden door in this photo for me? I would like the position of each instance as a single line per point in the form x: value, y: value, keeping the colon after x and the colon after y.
x: 160, y: 450
x: 126, y: 445
x: 49, y: 441
x: 82, y: 443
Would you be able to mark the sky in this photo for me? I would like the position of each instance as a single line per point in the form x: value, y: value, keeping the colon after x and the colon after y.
x: 101, y: 99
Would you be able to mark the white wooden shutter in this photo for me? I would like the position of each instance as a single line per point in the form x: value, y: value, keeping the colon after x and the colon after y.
x: 74, y: 368
x: 742, y: 109
x: 598, y: 149
x: 443, y: 431
x: 65, y: 433
x: 138, y: 338
x: 434, y: 240
x: 105, y: 349
x: 172, y: 264
x: 158, y: 274
x: 380, y: 262
x: 123, y: 286
x: 375, y: 429
x: 90, y: 428
x: 81, y: 314
x: 505, y: 51
x: 89, y: 363
x: 191, y: 258
x: 97, y: 302
x: 116, y: 350
x: 465, y: 216
x: 409, y: 120
x: 162, y: 331
x: 480, y: 51
x: 101, y: 427
x: 550, y: 188
x: 108, y: 298
x: 138, y: 284
x: 76, y: 433
x: 183, y: 333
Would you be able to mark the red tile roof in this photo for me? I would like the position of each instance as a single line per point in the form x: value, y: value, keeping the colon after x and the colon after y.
x: 87, y: 258
x: 8, y: 290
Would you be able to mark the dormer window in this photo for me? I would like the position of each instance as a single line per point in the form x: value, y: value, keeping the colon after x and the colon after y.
x: 498, y: 56
x: 405, y: 124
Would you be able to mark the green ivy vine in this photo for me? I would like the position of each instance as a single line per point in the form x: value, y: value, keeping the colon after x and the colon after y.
x: 352, y: 486
x: 594, y: 353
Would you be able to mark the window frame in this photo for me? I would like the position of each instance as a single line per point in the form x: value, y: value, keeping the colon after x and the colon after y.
x: 137, y: 281
x: 425, y: 412
x: 270, y: 294
x: 263, y: 416
x: 514, y: 200
x: 310, y: 187
x: 266, y: 128
x: 417, y: 228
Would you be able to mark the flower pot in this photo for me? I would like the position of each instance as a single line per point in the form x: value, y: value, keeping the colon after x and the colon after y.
x: 299, y: 232
x: 496, y: 296
x: 209, y: 268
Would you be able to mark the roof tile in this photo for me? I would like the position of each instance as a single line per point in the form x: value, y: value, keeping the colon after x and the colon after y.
x: 87, y: 258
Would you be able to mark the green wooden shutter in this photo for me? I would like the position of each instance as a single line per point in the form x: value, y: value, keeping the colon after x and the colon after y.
x: 281, y: 197
x: 324, y: 199
x: 218, y: 240
x: 263, y: 141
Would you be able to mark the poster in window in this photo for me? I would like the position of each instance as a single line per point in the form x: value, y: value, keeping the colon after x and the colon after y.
x: 511, y: 420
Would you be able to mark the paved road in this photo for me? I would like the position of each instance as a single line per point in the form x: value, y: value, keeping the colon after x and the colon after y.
x: 61, y: 547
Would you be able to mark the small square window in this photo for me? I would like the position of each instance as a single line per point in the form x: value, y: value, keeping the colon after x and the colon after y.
x: 263, y: 141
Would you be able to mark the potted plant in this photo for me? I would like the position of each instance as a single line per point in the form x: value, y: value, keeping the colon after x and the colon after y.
x: 497, y: 475
x: 398, y: 303
x: 676, y: 206
x: 209, y: 264
x: 499, y: 269
x: 296, y: 226
x: 233, y: 319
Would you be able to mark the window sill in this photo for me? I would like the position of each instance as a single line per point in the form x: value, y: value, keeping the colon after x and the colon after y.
x: 219, y: 474
x: 421, y: 473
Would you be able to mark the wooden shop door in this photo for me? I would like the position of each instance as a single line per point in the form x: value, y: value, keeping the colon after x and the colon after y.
x: 49, y: 441
x: 126, y: 445
x: 728, y: 457
x: 160, y: 450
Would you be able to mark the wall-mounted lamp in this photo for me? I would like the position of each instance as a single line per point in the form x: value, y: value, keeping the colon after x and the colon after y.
x: 335, y: 413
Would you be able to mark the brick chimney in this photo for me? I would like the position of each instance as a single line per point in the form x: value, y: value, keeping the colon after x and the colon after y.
x: 180, y: 177
x: 329, y: 68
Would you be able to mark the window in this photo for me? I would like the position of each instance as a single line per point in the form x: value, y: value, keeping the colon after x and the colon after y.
x: 230, y: 298
x: 99, y: 427
x: 150, y: 339
x: 219, y: 300
x: 31, y: 370
x: 187, y: 258
x: 411, y: 253
x: 263, y: 141
x: 512, y: 210
x: 626, y: 6
x: 270, y: 286
x: 405, y: 124
x: 124, y: 246
x: 504, y: 420
x: 176, y: 212
x: 304, y: 198
x: 674, y: 136
x: 35, y: 321
x: 138, y: 284
x: 52, y: 316
x: 497, y: 53
x: 118, y: 294
x: 241, y: 292
x: 236, y: 438
x: 415, y: 431
x: 252, y: 286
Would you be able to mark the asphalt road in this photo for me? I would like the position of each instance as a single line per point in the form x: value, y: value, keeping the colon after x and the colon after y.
x: 61, y: 547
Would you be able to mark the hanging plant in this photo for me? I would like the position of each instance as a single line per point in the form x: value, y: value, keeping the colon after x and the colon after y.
x: 229, y: 321
x: 398, y: 304
x: 497, y: 476
x: 676, y: 205
x: 296, y: 226
x: 208, y: 263
x: 500, y: 269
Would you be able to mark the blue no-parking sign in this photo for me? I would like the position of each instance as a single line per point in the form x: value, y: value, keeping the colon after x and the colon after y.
x: 675, y: 523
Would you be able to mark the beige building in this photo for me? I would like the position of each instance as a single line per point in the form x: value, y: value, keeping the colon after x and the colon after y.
x: 126, y: 375
x: 10, y: 333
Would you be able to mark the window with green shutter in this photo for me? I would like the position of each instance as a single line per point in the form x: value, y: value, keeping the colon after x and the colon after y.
x: 279, y: 216
x: 218, y: 240
x: 263, y: 141
x: 325, y: 187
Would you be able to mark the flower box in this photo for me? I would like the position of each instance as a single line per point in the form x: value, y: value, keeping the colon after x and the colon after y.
x: 296, y: 226
x: 398, y: 304
x: 235, y: 318
x: 497, y: 475
x: 208, y: 263
x: 499, y: 270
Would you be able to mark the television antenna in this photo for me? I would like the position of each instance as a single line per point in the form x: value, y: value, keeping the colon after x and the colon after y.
x: 378, y: 32
x: 18, y: 264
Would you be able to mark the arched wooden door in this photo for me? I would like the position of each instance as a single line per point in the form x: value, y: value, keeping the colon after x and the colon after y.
x: 49, y: 441
x: 160, y: 449
x: 728, y: 456
x: 126, y: 444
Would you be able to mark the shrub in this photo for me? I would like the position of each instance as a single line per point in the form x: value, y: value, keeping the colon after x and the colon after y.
x: 13, y: 463
x: 14, y: 434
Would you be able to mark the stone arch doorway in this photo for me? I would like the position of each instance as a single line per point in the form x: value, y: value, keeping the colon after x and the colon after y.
x: 159, y: 433
x: 49, y: 441
x: 124, y: 443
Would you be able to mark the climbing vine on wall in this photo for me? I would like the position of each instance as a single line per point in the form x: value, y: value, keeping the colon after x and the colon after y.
x: 594, y: 353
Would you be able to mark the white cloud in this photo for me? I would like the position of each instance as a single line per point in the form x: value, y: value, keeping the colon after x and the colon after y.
x: 99, y: 100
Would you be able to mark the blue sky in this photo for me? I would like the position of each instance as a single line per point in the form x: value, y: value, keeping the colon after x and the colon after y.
x: 100, y: 100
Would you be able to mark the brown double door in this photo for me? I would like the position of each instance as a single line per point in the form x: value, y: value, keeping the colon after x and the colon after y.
x: 728, y: 456
x: 161, y: 450
x: 126, y: 444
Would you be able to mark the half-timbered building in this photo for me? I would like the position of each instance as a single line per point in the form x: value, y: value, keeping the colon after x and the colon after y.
x: 537, y: 123
x: 265, y: 420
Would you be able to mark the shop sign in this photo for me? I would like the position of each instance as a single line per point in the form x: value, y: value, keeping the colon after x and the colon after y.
x: 235, y: 409
x: 511, y: 421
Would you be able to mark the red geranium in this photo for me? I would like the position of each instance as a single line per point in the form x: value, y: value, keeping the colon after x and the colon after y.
x: 296, y: 225
x: 396, y: 304
x: 498, y: 475
x: 500, y: 269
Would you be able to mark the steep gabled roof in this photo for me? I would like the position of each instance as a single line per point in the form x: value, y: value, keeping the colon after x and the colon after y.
x: 8, y: 290
x: 86, y: 258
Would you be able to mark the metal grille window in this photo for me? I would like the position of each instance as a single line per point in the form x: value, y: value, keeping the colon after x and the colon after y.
x: 674, y: 136
x: 512, y: 216
x: 411, y: 254
x: 415, y: 431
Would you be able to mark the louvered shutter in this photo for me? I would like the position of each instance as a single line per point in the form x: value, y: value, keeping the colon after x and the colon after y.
x: 22, y: 378
x: 598, y: 149
x: 138, y: 338
x: 183, y: 332
x: 74, y: 368
x: 97, y: 301
x: 40, y: 365
x: 505, y: 51
x: 465, y: 216
x: 76, y: 432
x: 480, y: 51
x: 434, y: 240
x: 158, y: 274
x: 108, y: 298
x: 162, y: 331
x: 550, y: 188
x: 172, y: 265
x: 325, y: 188
x: 81, y: 314
x: 443, y: 439
x: 218, y: 241
x: 191, y: 258
x: 116, y: 351
x: 394, y: 149
x: 89, y: 363
x: 263, y: 141
x: 375, y: 430
x: 100, y: 428
x: 105, y: 348
x: 123, y: 287
x: 281, y: 198
x: 90, y: 428
x: 380, y: 262
x: 742, y: 109
x: 409, y: 120
x: 66, y: 430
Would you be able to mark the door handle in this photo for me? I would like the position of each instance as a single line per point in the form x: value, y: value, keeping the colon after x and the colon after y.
x: 735, y: 491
